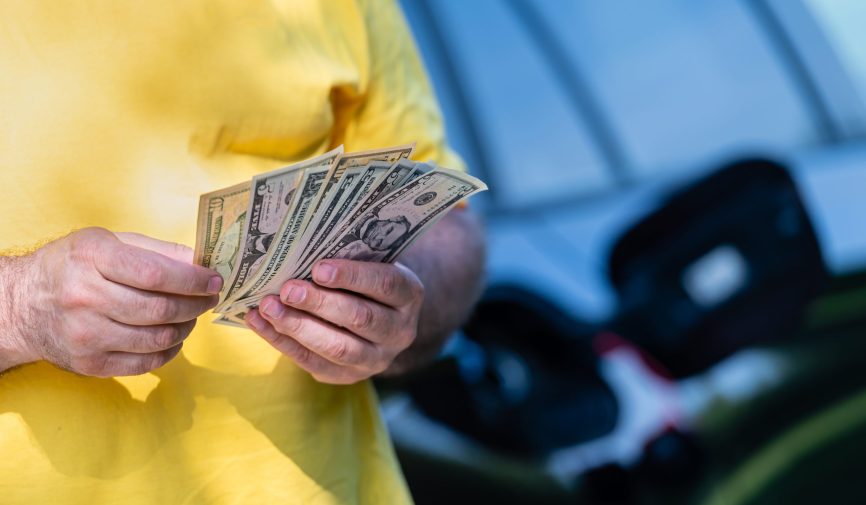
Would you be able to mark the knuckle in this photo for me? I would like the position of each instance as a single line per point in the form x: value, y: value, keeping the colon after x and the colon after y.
x: 204, y: 303
x: 85, y: 244
x: 162, y: 309
x: 340, y: 351
x: 362, y: 317
x: 95, y: 232
x: 74, y: 296
x: 149, y: 274
x: 303, y: 356
x: 353, y: 272
x: 138, y: 366
x: 388, y: 284
x: 179, y: 250
x: 380, y: 366
x: 94, y: 365
x: 195, y: 281
x: 158, y: 359
x: 149, y: 362
x: 405, y: 339
x: 290, y: 324
x: 80, y: 338
x: 343, y: 378
x: 322, y: 378
x: 348, y: 379
x: 184, y: 330
x: 209, y: 302
x: 167, y: 337
x: 316, y: 301
x: 417, y: 290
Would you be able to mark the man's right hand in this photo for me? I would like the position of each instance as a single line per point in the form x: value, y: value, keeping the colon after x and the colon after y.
x: 104, y: 304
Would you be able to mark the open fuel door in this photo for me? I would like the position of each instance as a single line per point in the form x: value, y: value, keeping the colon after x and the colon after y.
x: 728, y: 261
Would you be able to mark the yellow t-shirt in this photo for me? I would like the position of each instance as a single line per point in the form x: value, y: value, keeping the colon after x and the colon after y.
x: 120, y: 114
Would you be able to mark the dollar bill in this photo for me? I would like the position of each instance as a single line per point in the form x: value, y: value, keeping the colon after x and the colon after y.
x: 373, y: 177
x: 230, y: 320
x: 330, y: 211
x: 325, y: 199
x: 391, y: 180
x: 240, y: 308
x: 367, y: 182
x: 389, y: 226
x: 421, y: 169
x: 304, y: 199
x: 397, y: 176
x: 221, y: 221
x: 356, y: 183
x: 271, y: 196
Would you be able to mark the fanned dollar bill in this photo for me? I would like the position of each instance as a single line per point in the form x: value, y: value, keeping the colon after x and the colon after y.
x: 230, y: 320
x: 355, y: 183
x: 387, y: 182
x: 388, y: 227
x: 293, y: 224
x: 340, y: 179
x: 330, y: 190
x: 391, y: 180
x: 221, y: 222
x: 271, y: 195
x: 366, y: 206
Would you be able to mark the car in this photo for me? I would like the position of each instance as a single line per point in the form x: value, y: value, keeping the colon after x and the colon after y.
x: 583, y: 117
x: 580, y: 115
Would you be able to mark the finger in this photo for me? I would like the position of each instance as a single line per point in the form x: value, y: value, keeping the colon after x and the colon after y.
x: 116, y: 364
x: 147, y: 339
x: 321, y: 369
x: 133, y: 306
x: 152, y: 271
x: 392, y: 285
x: 173, y: 250
x: 361, y: 316
x: 334, y: 344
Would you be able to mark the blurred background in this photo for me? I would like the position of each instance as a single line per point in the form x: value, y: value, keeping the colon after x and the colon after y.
x: 676, y: 297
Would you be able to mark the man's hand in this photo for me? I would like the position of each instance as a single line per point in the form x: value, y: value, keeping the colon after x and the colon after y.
x: 105, y: 304
x: 347, y: 325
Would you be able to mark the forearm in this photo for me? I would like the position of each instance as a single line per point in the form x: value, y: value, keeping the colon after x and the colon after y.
x: 13, y: 281
x: 449, y: 260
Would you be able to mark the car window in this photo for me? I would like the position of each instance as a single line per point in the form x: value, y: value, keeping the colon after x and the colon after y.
x: 842, y: 22
x: 537, y: 148
x: 677, y: 81
x: 683, y: 80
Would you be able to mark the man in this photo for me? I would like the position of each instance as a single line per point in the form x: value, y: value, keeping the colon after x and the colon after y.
x: 376, y: 238
x: 116, y: 116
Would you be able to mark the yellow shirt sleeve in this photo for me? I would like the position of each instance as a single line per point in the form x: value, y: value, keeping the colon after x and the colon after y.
x: 397, y: 105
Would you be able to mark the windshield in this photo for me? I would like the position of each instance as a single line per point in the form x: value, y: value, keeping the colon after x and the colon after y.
x: 842, y: 22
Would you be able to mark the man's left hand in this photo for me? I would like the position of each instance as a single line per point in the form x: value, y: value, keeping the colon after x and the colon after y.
x: 347, y: 325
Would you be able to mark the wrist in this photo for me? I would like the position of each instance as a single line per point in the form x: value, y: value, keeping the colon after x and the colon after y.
x: 15, y: 282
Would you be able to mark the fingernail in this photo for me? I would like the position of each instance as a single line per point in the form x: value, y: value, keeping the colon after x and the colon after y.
x: 325, y: 273
x: 272, y: 308
x: 295, y: 294
x: 256, y: 321
x: 215, y: 284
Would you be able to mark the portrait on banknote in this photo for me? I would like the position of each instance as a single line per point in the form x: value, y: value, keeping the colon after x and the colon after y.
x: 376, y: 238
